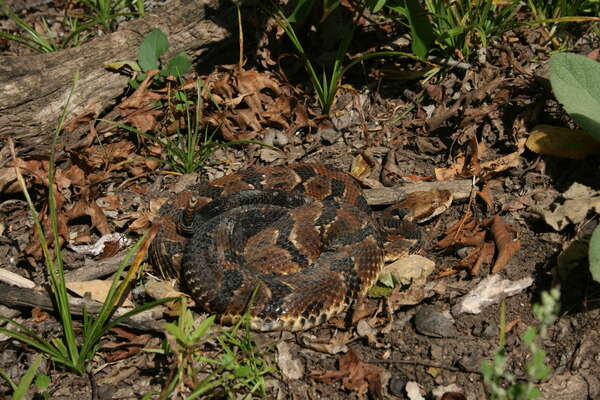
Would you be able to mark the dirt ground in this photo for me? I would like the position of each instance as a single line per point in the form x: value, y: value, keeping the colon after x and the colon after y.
x: 463, y: 123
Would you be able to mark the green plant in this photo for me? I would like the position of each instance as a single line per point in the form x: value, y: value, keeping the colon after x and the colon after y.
x: 72, y: 350
x: 20, y: 390
x: 456, y: 28
x: 237, y: 369
x: 191, y: 146
x: 556, y: 12
x: 327, y: 82
x: 99, y: 12
x: 154, y: 45
x: 42, y: 42
x: 575, y: 82
x: 594, y: 254
x: 107, y: 12
x: 503, y: 385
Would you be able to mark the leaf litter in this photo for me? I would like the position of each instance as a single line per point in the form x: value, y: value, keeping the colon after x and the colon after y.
x: 461, y: 130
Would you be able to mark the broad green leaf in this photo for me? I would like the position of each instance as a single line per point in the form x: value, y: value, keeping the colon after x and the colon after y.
x: 177, y: 66
x: 42, y: 381
x: 420, y: 27
x: 594, y: 254
x: 154, y: 45
x: 575, y: 81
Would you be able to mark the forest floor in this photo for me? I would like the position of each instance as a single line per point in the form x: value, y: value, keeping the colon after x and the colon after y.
x: 391, y: 125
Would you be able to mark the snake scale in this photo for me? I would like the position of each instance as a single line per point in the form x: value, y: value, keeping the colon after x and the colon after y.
x: 294, y: 244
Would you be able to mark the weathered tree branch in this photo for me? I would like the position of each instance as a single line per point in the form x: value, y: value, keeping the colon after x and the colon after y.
x: 34, y: 88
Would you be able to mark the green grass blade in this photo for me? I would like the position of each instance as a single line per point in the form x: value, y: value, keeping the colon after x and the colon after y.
x: 10, y: 382
x: 116, y: 321
x: 21, y: 390
x: 34, y: 341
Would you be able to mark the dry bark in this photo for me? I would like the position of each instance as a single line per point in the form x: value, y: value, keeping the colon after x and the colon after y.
x: 34, y: 88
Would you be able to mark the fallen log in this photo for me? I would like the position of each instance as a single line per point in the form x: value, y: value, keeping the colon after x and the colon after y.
x: 34, y: 88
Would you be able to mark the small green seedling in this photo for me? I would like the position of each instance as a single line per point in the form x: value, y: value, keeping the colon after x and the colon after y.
x: 20, y: 389
x: 237, y: 369
x: 501, y: 384
x: 154, y: 45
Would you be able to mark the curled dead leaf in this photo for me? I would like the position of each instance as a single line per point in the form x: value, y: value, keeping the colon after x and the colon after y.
x: 507, y: 246
x: 356, y: 375
x: 562, y: 142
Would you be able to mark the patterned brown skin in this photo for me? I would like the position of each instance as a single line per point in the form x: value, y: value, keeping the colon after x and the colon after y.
x: 293, y: 244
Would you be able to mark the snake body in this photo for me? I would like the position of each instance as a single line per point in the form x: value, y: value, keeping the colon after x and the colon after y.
x: 292, y: 244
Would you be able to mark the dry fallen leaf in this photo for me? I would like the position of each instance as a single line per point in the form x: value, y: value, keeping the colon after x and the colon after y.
x: 97, y: 289
x: 334, y: 345
x: 562, y: 142
x: 578, y: 201
x: 456, y: 170
x: 489, y: 291
x: 133, y: 345
x: 506, y: 245
x: 355, y: 375
x: 291, y: 368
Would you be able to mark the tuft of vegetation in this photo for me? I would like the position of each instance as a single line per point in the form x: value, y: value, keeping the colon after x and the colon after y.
x: 75, y: 348
x: 104, y: 13
x: 238, y: 367
x: 454, y: 30
x: 21, y: 389
x: 327, y: 81
x: 503, y: 385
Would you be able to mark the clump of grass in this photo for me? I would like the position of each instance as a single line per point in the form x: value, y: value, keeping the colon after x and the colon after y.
x: 191, y: 146
x: 104, y: 13
x: 503, y: 385
x: 238, y: 367
x: 73, y: 350
x: 21, y: 388
x: 327, y: 81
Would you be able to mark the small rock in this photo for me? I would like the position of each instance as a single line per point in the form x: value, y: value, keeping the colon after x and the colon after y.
x: 435, y: 322
x: 470, y: 361
x: 330, y: 135
x: 489, y: 331
x: 291, y: 368
x: 269, y: 155
x: 413, y: 392
x: 397, y: 385
x: 436, y: 352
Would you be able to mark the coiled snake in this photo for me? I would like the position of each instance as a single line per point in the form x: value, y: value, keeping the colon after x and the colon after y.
x: 299, y: 240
